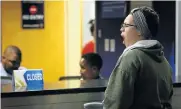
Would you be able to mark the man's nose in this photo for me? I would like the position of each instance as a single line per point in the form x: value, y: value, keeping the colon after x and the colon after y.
x: 122, y: 29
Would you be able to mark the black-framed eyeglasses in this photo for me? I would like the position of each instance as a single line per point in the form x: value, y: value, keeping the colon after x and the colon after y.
x: 124, y: 25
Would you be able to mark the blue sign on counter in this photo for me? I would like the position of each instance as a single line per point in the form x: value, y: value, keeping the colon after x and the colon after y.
x: 28, y: 78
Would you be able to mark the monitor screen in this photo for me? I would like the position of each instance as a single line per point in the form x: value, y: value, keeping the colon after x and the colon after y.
x: 113, y: 9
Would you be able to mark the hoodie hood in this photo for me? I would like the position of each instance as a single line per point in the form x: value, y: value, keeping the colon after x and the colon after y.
x: 153, y: 48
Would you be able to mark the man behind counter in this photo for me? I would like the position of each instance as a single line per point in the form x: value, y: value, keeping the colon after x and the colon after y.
x: 11, y: 60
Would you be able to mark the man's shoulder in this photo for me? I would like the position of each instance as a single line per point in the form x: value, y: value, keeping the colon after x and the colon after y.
x: 131, y: 58
x: 90, y: 44
x: 88, y: 48
x: 3, y: 72
x: 132, y: 54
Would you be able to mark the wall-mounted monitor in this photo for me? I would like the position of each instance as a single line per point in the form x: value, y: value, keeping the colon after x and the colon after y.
x: 113, y: 9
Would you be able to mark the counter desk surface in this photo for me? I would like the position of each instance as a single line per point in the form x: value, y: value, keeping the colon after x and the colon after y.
x: 61, y: 87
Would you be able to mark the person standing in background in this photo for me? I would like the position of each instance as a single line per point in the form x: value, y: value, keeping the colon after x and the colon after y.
x: 90, y: 46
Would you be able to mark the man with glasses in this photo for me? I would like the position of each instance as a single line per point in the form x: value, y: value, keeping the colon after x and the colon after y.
x: 11, y: 60
x: 142, y: 77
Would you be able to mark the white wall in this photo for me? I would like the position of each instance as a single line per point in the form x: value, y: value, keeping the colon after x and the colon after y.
x: 73, y: 26
x: 178, y: 38
x: 72, y: 37
x: 88, y: 13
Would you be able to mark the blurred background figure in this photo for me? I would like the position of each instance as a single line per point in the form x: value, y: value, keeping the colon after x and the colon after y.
x: 90, y: 65
x: 90, y: 46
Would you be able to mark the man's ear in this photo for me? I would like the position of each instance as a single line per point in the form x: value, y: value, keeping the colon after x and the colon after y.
x: 3, y: 59
x: 139, y: 33
x: 94, y: 68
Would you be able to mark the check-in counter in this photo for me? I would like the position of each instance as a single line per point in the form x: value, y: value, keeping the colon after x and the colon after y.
x: 176, y: 99
x: 71, y: 94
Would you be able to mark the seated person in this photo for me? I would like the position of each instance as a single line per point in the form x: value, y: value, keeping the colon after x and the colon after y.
x: 90, y: 65
x: 11, y: 60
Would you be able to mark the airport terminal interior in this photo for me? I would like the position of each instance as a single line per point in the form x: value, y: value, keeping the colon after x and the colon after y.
x: 89, y: 54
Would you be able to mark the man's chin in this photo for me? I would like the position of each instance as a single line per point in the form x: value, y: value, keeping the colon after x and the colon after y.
x: 124, y: 43
x: 10, y: 72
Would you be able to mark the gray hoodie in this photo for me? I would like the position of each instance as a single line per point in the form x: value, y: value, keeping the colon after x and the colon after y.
x: 141, y: 79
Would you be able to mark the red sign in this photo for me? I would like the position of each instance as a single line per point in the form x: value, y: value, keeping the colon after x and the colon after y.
x: 33, y: 9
